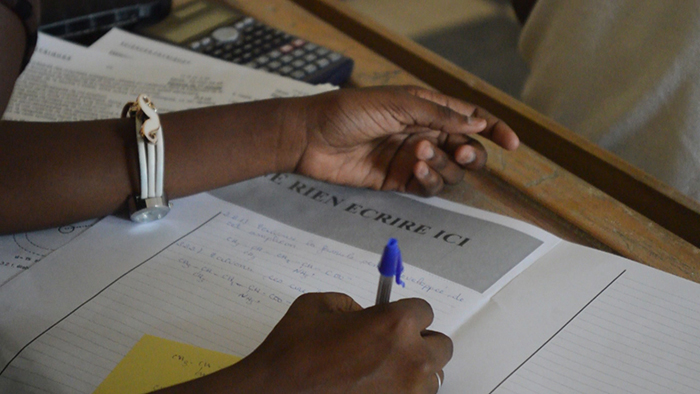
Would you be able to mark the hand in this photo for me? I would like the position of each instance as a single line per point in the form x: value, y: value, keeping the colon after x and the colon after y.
x: 396, y: 138
x: 326, y: 343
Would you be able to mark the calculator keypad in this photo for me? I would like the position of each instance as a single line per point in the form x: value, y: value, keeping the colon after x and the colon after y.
x: 259, y: 46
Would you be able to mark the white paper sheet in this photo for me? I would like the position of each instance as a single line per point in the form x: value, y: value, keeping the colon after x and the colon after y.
x: 583, y: 321
x: 213, y: 275
x: 128, y: 45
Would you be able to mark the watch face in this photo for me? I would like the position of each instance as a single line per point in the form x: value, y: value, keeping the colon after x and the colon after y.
x: 150, y: 214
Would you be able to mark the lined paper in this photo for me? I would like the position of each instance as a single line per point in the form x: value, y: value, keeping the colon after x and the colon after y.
x: 221, y: 287
x: 638, y: 336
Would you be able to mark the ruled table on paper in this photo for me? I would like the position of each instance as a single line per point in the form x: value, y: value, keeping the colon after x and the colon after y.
x: 637, y: 336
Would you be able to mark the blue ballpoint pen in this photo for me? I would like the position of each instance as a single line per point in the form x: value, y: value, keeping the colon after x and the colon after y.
x: 390, y: 267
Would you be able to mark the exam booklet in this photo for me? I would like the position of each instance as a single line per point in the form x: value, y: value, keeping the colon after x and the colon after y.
x: 527, y: 311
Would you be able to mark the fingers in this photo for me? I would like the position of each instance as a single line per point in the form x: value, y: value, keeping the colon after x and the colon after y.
x: 467, y: 152
x: 415, y: 310
x: 432, y: 350
x: 439, y: 161
x: 498, y: 131
x: 432, y: 110
x: 495, y: 130
x: 437, y: 166
x: 441, y: 347
x: 441, y: 350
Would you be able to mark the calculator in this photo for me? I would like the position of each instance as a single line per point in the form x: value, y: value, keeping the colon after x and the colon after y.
x: 226, y: 33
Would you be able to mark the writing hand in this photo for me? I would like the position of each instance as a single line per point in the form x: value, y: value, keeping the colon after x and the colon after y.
x: 396, y: 138
x: 326, y: 343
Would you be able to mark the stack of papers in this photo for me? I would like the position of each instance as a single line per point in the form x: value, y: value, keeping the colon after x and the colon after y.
x: 527, y: 311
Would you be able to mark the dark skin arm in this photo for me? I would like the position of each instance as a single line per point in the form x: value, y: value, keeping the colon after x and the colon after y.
x: 405, y: 139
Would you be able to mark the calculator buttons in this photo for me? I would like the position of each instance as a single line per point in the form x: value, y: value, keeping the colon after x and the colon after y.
x: 310, y: 68
x: 323, y: 62
x: 225, y: 34
x: 256, y: 45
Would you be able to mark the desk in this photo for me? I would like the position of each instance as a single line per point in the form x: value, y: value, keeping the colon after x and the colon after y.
x: 547, y: 192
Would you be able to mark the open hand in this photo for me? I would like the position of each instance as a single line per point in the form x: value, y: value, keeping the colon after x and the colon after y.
x: 396, y: 138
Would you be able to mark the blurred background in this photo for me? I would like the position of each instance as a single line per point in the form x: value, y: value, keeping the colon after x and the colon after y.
x: 480, y: 36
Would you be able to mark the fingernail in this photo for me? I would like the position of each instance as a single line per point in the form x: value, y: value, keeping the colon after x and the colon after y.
x: 427, y: 153
x: 467, y: 158
x: 422, y: 171
x: 475, y: 119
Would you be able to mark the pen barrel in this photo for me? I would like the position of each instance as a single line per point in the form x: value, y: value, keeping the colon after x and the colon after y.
x: 384, y: 289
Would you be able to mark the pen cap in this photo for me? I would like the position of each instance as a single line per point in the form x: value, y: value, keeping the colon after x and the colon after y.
x: 391, y: 264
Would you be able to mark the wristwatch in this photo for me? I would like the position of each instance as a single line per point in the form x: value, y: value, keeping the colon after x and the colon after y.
x: 151, y: 203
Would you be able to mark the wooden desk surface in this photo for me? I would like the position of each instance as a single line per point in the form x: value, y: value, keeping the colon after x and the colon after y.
x: 522, y: 184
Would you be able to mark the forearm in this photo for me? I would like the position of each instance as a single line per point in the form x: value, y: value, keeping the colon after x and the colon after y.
x: 57, y: 173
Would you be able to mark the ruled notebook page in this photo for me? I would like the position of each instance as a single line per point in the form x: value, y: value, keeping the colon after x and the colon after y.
x: 641, y: 334
x: 222, y: 287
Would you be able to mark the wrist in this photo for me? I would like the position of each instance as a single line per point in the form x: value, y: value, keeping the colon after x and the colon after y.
x: 292, y: 132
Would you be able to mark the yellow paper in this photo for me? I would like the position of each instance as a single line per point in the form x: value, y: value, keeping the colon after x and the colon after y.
x: 154, y: 363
